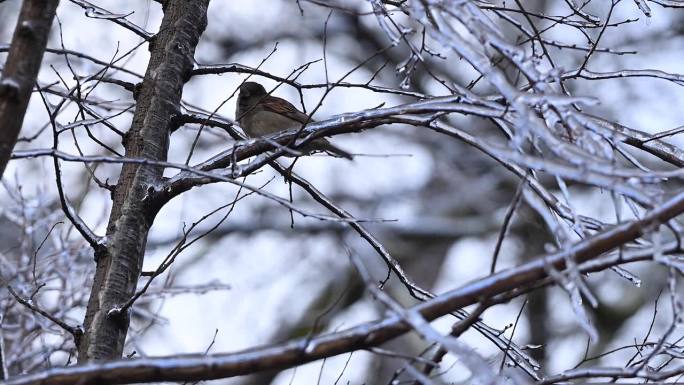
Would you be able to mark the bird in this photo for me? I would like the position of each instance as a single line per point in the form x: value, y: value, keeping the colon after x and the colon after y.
x: 260, y: 114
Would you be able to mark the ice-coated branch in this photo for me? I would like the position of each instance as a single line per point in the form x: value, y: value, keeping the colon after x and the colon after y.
x: 96, y: 12
x: 502, y: 286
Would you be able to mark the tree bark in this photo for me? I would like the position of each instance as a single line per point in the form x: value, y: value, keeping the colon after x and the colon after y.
x: 118, y: 268
x: 21, y: 68
x: 3, y: 363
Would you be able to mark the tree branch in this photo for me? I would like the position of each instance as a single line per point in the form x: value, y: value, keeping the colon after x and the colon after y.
x: 501, y: 286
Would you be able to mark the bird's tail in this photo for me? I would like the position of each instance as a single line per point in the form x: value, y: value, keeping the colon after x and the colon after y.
x: 336, y: 151
x: 322, y: 144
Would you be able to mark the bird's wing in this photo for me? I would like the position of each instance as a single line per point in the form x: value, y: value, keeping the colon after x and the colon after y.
x: 285, y: 108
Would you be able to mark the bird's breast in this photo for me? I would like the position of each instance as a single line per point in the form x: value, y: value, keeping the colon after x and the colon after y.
x: 261, y: 123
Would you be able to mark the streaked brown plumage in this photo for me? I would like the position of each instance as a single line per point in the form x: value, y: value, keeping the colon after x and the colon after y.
x: 260, y: 114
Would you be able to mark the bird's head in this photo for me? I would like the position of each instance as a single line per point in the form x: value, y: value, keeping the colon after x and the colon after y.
x: 248, y: 89
x: 250, y: 94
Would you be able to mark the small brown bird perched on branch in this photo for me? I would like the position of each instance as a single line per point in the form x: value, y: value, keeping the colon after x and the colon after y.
x: 260, y: 114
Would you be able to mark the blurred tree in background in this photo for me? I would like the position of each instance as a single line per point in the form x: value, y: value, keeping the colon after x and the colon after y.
x: 511, y: 214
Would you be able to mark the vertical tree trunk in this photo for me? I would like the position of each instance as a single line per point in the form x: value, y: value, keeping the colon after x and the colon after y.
x: 3, y: 363
x: 158, y: 100
x: 19, y: 76
x: 534, y: 236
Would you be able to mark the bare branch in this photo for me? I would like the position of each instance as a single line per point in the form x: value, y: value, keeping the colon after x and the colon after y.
x: 504, y: 283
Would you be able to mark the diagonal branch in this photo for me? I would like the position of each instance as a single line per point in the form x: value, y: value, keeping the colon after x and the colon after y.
x: 75, y: 331
x: 501, y: 286
x: 96, y: 12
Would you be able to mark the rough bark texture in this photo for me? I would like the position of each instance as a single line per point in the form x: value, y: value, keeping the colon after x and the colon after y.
x: 19, y: 76
x: 118, y: 269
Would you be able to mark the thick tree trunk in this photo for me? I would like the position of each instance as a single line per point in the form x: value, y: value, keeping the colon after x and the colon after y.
x: 19, y: 75
x: 158, y: 101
